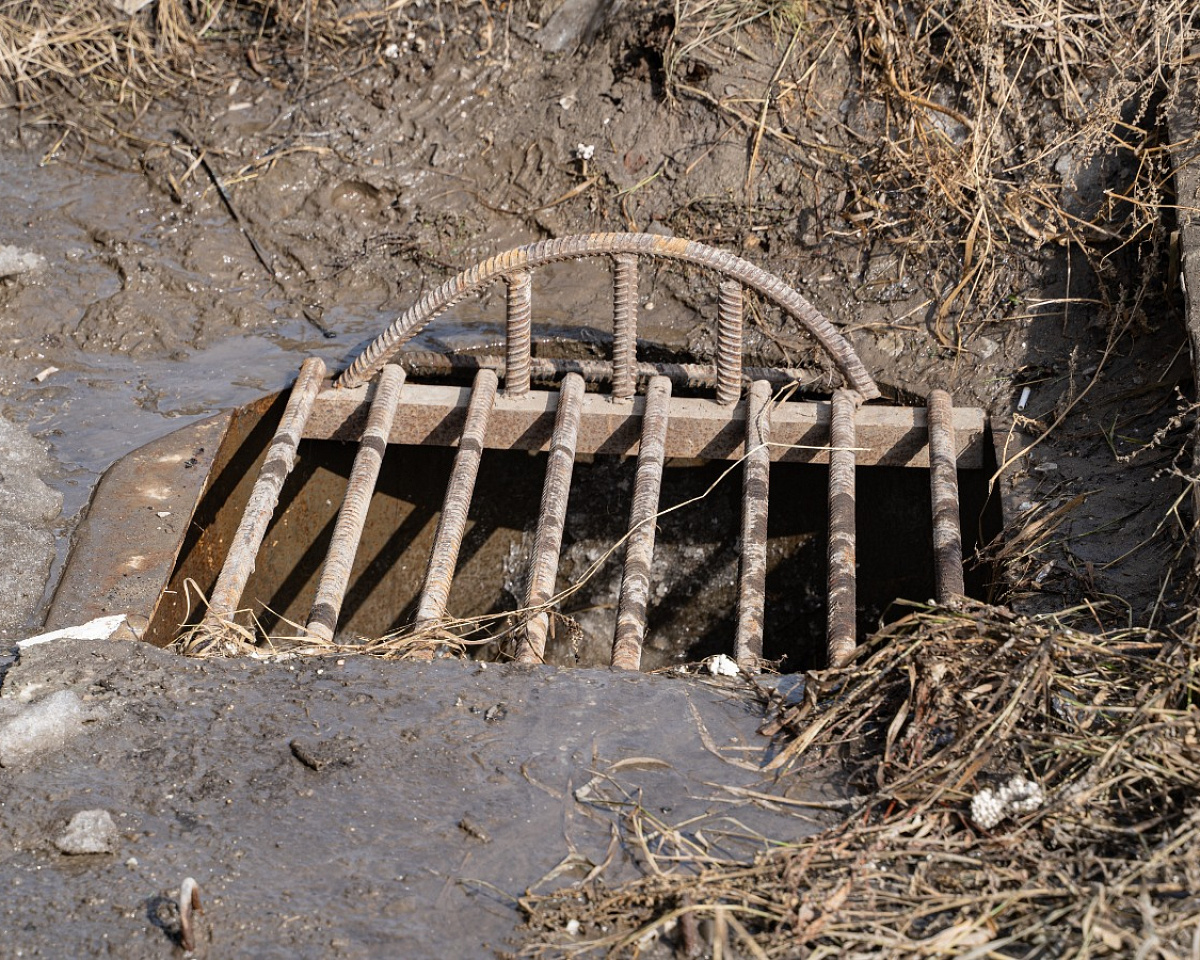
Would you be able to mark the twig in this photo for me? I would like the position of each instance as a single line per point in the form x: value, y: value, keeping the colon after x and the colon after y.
x: 202, y: 159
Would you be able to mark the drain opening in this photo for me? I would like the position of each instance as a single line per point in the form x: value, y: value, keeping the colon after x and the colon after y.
x: 692, y: 610
x: 570, y: 426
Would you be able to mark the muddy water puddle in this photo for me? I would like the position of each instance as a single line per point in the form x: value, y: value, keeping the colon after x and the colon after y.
x: 149, y: 314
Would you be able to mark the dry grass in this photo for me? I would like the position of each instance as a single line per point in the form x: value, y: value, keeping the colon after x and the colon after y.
x: 93, y: 50
x: 974, y: 131
x: 941, y: 705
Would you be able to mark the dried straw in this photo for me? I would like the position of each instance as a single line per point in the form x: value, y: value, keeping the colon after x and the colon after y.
x: 941, y: 705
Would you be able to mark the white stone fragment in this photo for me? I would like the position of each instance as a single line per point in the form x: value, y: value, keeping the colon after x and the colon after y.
x: 14, y: 261
x: 99, y: 629
x: 722, y: 666
x: 41, y: 727
x: 90, y: 831
x: 1017, y: 796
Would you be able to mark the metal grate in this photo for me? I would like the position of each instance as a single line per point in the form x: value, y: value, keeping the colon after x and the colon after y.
x: 760, y: 428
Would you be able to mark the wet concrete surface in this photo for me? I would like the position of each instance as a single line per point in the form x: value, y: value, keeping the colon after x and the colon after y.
x: 355, y: 808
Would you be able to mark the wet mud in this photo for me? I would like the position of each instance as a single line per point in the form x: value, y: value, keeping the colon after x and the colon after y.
x: 352, y: 808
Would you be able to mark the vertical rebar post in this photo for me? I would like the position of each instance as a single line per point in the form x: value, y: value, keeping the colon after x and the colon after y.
x: 347, y: 532
x: 625, y: 308
x: 752, y: 583
x: 842, y: 632
x: 281, y: 457
x: 452, y: 524
x: 518, y: 333
x: 639, y: 545
x: 547, y: 543
x: 729, y: 342
x: 943, y: 481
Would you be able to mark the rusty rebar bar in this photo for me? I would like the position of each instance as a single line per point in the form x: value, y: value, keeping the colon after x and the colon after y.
x: 943, y: 481
x: 625, y: 315
x: 518, y: 332
x: 729, y: 342
x: 842, y: 628
x: 281, y: 457
x: 752, y: 580
x: 547, y: 543
x: 352, y: 517
x: 684, y: 376
x: 772, y: 288
x: 639, y: 546
x: 439, y: 573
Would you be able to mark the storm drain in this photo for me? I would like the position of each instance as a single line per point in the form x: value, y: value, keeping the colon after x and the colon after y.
x: 579, y: 410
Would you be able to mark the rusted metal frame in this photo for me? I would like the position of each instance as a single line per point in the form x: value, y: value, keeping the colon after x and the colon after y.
x: 281, y: 457
x: 439, y: 574
x: 518, y: 332
x: 690, y: 376
x: 347, y: 532
x: 547, y: 543
x: 639, y: 546
x: 729, y: 342
x: 752, y: 578
x: 700, y: 428
x: 122, y: 554
x: 842, y: 628
x: 529, y: 257
x: 943, y: 481
x: 625, y: 310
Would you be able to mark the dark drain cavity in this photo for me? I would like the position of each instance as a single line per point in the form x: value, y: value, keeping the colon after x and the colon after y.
x: 692, y: 606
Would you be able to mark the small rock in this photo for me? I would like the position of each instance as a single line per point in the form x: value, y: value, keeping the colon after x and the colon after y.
x: 14, y: 262
x: 721, y: 666
x: 41, y: 727
x: 90, y: 831
x: 318, y: 754
x: 891, y: 344
x: 985, y: 348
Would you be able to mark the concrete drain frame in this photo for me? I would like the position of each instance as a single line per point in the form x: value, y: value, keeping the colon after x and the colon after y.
x: 204, y: 504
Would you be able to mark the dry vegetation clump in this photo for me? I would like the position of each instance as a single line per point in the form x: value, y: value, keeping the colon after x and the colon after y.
x: 940, y: 707
x: 124, y: 52
x: 974, y: 131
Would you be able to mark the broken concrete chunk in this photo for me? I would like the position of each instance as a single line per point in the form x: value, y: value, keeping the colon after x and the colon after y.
x: 41, y: 727
x: 90, y: 831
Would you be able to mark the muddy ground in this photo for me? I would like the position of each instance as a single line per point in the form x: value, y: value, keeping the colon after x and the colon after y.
x: 363, y: 187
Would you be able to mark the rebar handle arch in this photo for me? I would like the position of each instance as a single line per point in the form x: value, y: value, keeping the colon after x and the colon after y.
x: 520, y: 260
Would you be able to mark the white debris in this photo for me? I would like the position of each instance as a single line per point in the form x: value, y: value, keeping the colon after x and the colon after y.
x: 90, y: 831
x: 1015, y: 797
x: 392, y: 51
x: 99, y: 629
x: 130, y: 6
x: 585, y: 151
x: 722, y: 666
x: 41, y: 375
x: 41, y: 727
x: 14, y: 261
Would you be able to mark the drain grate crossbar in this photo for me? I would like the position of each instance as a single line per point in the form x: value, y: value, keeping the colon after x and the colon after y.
x: 759, y: 429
